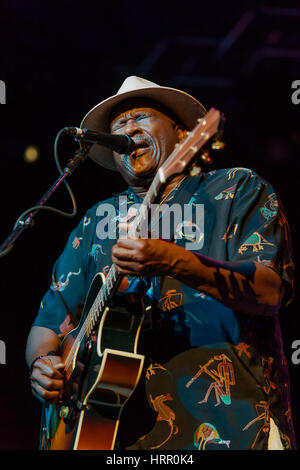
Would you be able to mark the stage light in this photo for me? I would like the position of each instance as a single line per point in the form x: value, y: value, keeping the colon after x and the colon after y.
x: 31, y: 154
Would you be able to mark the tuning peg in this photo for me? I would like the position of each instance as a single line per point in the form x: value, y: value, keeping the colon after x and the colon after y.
x: 206, y: 158
x: 217, y: 145
x: 201, y: 121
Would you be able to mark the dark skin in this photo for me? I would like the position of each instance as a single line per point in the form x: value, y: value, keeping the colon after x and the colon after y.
x: 247, y: 287
x: 155, y: 133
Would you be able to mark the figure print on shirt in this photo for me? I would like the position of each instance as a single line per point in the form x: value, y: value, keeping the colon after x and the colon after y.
x: 76, y: 242
x: 256, y: 241
x: 96, y: 252
x: 227, y: 193
x: 206, y: 433
x: 262, y: 411
x: 267, y: 368
x: 223, y: 378
x: 270, y: 208
x: 232, y: 172
x: 165, y: 413
x: 86, y: 221
x: 171, y: 299
x: 60, y: 285
x: 151, y: 370
x: 242, y: 348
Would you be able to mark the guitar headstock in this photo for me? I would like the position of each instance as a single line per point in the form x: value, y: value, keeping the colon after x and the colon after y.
x: 209, y: 126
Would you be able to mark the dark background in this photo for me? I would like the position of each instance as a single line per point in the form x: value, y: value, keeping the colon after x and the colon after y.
x: 59, y: 59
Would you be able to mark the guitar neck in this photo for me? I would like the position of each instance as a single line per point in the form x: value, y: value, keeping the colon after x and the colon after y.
x: 114, y: 278
x: 141, y: 221
x: 175, y: 164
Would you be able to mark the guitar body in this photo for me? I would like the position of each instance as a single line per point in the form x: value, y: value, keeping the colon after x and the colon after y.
x: 104, y: 372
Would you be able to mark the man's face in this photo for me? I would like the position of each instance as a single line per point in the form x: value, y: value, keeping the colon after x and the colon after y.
x: 155, y: 135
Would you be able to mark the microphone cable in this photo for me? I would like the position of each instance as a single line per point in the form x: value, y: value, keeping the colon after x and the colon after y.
x: 34, y: 209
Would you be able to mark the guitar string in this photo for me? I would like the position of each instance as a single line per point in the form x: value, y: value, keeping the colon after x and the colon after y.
x: 94, y: 312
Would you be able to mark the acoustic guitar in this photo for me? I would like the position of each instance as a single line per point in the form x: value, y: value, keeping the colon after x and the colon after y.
x: 102, y: 365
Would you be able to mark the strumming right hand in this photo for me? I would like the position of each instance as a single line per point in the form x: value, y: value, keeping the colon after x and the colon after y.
x: 47, y: 378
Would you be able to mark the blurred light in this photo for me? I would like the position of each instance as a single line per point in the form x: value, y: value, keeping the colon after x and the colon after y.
x: 31, y: 154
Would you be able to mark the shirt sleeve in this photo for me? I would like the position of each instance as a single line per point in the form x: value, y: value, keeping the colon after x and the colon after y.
x: 259, y: 229
x: 62, y: 304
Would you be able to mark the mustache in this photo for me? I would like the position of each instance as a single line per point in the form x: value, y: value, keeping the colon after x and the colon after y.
x: 142, y: 140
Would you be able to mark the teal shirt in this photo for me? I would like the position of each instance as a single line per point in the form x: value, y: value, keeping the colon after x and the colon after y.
x: 217, y: 374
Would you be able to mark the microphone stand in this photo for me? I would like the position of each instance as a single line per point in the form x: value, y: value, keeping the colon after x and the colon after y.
x: 79, y: 156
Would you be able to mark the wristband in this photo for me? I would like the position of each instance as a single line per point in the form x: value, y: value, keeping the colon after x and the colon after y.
x: 50, y: 353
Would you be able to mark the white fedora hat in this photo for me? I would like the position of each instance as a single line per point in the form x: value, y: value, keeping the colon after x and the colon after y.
x: 183, y: 105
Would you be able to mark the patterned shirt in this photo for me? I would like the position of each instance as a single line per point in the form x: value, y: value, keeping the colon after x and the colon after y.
x: 214, y: 377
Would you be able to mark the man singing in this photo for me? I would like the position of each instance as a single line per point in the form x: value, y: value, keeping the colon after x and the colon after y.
x: 215, y: 374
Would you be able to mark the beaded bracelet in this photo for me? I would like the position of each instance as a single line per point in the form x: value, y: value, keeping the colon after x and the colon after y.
x: 50, y: 353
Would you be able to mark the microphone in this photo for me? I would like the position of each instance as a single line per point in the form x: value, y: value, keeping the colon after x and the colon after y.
x: 119, y: 143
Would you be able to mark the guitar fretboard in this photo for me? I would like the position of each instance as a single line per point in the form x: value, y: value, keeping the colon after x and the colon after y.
x: 113, y: 277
